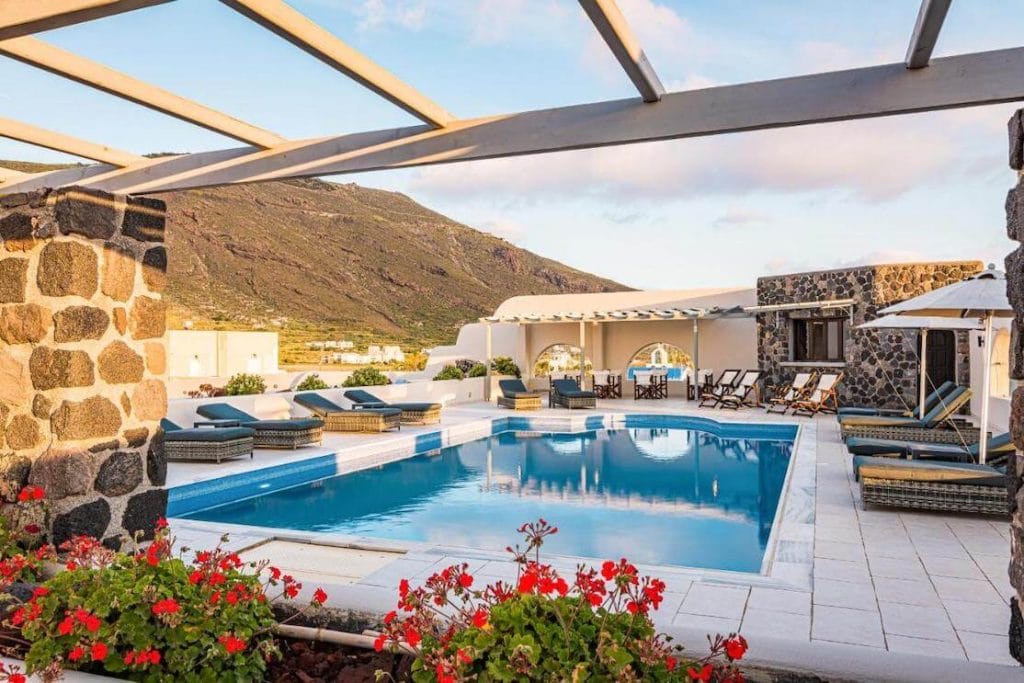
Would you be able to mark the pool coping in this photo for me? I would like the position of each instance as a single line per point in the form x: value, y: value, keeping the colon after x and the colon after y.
x: 788, y: 557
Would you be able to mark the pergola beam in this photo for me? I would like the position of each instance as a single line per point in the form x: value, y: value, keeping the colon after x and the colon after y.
x: 297, y: 29
x: 926, y: 32
x: 81, y: 70
x: 961, y: 81
x: 25, y: 17
x: 613, y: 27
x: 40, y: 137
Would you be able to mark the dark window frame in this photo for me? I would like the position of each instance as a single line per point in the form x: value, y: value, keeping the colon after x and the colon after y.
x: 809, y: 339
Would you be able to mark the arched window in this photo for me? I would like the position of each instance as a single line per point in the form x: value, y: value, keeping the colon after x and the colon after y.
x: 660, y: 356
x: 559, y: 358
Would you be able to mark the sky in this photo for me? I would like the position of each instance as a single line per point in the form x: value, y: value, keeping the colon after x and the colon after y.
x: 704, y: 212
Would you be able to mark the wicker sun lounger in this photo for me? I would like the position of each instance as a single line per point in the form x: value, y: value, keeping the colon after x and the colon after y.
x: 566, y: 393
x: 288, y: 433
x: 339, y: 419
x: 930, y: 401
x: 799, y: 388
x: 206, y: 444
x: 412, y: 413
x: 516, y: 396
x: 745, y: 393
x: 999, y: 449
x: 932, y: 485
x: 937, y: 426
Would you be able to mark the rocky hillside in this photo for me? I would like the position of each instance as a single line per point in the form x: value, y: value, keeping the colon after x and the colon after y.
x: 347, y: 257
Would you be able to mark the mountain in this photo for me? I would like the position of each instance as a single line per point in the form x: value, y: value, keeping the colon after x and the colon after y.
x: 325, y: 260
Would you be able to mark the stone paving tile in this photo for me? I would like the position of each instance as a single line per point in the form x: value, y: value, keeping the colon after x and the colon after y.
x: 897, y: 568
x: 932, y: 548
x: 841, y: 570
x: 851, y: 552
x: 715, y: 600
x: 983, y: 647
x: 776, y: 600
x: 906, y: 592
x: 916, y: 621
x: 844, y: 594
x: 922, y: 646
x: 955, y: 567
x: 897, y: 550
x: 769, y: 623
x: 978, y: 617
x: 841, y: 625
x: 703, y: 622
x: 968, y: 590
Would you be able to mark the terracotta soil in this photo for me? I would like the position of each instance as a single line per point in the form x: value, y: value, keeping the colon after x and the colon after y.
x: 309, y: 662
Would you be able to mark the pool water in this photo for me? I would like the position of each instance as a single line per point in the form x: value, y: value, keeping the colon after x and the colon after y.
x: 656, y: 495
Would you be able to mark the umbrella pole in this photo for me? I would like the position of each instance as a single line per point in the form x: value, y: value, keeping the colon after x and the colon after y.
x: 986, y: 377
x: 924, y: 373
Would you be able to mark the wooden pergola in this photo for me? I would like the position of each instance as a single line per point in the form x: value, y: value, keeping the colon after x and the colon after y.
x: 916, y: 84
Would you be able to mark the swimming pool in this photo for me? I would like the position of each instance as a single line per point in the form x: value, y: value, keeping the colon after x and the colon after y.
x: 659, y: 495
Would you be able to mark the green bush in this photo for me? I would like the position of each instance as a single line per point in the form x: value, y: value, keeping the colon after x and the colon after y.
x: 449, y: 372
x: 503, y: 365
x: 478, y: 370
x: 366, y: 377
x: 153, y: 616
x: 311, y: 383
x: 465, y: 364
x: 243, y: 384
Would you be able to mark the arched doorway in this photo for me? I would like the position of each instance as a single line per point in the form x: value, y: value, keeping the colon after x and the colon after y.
x: 559, y: 359
x: 660, y: 356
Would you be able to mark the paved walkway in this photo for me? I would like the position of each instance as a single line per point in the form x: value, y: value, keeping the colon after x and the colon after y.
x: 923, y: 583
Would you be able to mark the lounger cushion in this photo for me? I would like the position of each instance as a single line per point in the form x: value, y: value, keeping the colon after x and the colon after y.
x: 413, y: 407
x: 361, y: 396
x: 929, y: 401
x: 209, y: 435
x: 317, y: 403
x: 569, y: 389
x: 866, y: 446
x: 298, y: 425
x: 927, y: 470
x: 928, y: 421
x: 514, y: 388
x: 223, y: 411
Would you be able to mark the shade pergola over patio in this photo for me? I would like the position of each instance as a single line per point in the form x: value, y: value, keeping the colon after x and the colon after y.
x: 915, y: 84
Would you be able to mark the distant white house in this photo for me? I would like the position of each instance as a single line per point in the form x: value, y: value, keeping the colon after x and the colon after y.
x: 374, y: 354
x: 330, y: 345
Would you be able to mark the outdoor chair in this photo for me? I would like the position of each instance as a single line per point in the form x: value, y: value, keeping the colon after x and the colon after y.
x: 745, y: 393
x: 339, y: 419
x: 725, y: 384
x: 784, y: 397
x: 206, y: 444
x: 650, y: 386
x: 412, y: 413
x: 516, y: 396
x: 286, y: 433
x: 607, y: 384
x: 823, y: 399
x: 999, y: 449
x: 937, y: 426
x: 567, y: 394
x: 932, y: 485
x: 929, y: 402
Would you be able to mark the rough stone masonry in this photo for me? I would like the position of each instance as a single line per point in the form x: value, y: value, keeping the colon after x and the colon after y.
x: 1015, y: 292
x: 83, y: 358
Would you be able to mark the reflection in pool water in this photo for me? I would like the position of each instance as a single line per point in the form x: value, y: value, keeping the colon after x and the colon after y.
x: 660, y: 496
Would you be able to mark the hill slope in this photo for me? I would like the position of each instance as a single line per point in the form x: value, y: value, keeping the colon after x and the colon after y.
x: 344, y: 257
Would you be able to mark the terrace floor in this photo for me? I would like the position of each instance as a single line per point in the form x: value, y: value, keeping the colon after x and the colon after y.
x: 929, y: 584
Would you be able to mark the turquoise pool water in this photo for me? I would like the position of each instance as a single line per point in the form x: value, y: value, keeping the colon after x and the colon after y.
x: 656, y: 495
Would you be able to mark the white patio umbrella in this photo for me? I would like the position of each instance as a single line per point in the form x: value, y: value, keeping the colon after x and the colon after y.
x: 981, y: 296
x: 924, y: 324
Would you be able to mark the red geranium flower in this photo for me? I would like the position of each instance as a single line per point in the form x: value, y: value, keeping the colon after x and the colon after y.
x: 98, y: 652
x: 480, y: 618
x: 465, y: 580
x: 76, y: 653
x: 736, y: 647
x: 232, y: 644
x: 166, y: 606
x: 703, y: 675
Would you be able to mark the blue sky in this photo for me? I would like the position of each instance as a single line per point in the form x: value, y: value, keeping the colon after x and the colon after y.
x: 707, y: 212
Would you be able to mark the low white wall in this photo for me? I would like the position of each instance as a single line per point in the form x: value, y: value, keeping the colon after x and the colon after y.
x: 182, y: 411
x: 280, y: 381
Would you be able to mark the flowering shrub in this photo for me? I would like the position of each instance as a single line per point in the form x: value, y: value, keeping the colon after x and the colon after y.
x: 368, y: 376
x: 597, y: 627
x: 478, y: 370
x: 450, y: 372
x: 152, y: 616
x: 311, y: 382
x: 22, y: 522
x: 245, y: 383
x: 504, y: 365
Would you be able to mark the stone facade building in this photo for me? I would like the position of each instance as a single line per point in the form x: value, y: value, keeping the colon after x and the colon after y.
x: 83, y: 358
x: 880, y: 366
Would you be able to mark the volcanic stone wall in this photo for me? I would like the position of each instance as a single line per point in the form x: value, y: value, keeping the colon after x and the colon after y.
x: 83, y: 358
x: 881, y: 366
x: 1015, y: 292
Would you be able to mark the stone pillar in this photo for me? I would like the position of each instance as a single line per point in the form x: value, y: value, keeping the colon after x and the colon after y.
x: 83, y: 358
x: 1015, y: 292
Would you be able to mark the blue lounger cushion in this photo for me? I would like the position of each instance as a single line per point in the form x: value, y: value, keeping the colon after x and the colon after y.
x: 569, y: 389
x: 866, y: 446
x: 224, y: 411
x: 173, y: 432
x: 365, y: 399
x: 317, y: 403
x: 930, y: 419
x: 514, y: 388
x: 929, y: 402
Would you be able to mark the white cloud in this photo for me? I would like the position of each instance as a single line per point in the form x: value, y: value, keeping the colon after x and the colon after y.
x: 375, y: 14
x: 873, y: 161
x: 740, y: 217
